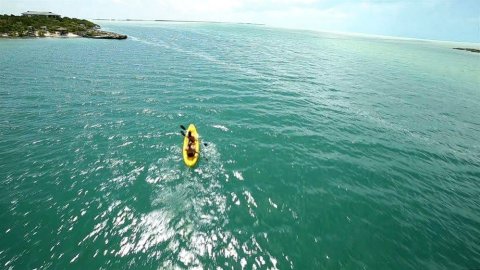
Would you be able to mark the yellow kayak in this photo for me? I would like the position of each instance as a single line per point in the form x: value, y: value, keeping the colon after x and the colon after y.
x: 191, y: 161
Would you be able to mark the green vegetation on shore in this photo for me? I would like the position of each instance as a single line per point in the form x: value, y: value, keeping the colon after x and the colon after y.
x: 12, y: 26
x: 21, y: 25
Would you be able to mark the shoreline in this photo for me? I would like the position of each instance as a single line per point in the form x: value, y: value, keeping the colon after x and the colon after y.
x: 46, y: 35
x: 96, y: 34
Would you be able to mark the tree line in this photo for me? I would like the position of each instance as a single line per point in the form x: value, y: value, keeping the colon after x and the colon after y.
x: 23, y: 25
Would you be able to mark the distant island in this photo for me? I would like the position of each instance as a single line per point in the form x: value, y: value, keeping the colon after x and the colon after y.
x: 468, y: 49
x: 174, y: 21
x: 48, y: 24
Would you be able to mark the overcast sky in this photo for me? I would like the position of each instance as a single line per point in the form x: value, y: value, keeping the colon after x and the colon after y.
x: 455, y: 20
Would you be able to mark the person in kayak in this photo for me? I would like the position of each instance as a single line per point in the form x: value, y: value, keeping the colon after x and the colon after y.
x: 191, y: 145
x: 191, y: 139
x: 191, y: 152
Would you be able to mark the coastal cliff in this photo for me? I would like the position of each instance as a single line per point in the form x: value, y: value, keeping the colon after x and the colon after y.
x: 12, y: 26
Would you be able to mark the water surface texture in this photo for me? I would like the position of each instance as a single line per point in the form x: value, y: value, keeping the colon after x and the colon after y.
x: 324, y: 151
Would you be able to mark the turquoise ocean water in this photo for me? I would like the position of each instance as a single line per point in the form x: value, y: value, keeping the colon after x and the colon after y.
x: 325, y: 151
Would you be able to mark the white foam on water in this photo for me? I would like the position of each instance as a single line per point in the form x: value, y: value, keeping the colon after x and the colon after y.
x: 272, y: 203
x: 224, y: 128
x: 125, y: 144
x: 238, y: 175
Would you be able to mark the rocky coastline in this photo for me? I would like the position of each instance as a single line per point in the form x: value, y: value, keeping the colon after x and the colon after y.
x: 99, y: 34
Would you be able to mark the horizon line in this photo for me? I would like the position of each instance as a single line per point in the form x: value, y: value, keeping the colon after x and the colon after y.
x: 293, y: 28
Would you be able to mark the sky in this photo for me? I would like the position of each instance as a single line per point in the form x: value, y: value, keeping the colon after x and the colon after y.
x: 450, y: 20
